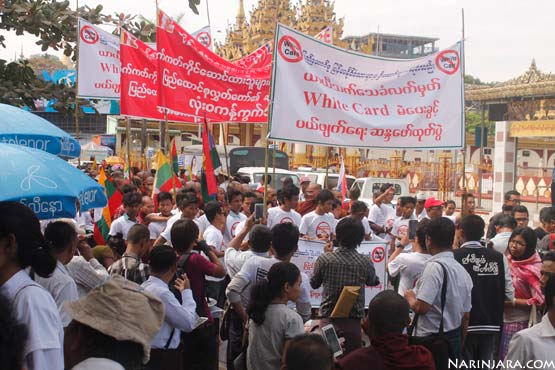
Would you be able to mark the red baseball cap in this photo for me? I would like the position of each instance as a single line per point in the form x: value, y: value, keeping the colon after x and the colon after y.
x: 433, y: 202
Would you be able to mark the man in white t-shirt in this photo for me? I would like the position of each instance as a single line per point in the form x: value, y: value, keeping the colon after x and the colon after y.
x: 409, y: 266
x: 320, y: 223
x: 188, y: 206
x: 235, y: 217
x: 401, y: 226
x: 420, y: 209
x: 215, y: 287
x: 286, y: 211
x: 165, y: 204
x: 359, y: 210
x: 132, y: 202
x: 382, y: 214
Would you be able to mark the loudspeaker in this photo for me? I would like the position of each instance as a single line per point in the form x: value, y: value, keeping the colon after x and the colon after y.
x: 497, y: 112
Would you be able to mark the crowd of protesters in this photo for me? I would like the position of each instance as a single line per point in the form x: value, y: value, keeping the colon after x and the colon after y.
x: 178, y: 276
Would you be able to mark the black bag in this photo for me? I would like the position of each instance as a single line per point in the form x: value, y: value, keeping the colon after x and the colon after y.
x: 437, y: 344
x: 166, y: 359
x: 240, y: 362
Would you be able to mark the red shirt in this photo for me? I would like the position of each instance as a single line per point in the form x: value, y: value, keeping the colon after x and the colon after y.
x: 196, y: 268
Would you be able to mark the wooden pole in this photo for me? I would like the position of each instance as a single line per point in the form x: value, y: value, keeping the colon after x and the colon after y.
x: 274, y: 164
x: 327, y: 167
x: 76, y: 117
x: 128, y: 144
x: 464, y: 123
x: 225, y: 133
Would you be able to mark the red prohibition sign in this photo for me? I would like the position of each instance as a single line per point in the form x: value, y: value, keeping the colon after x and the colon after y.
x: 445, y: 63
x: 290, y: 49
x: 89, y: 35
x: 205, y: 39
x: 378, y: 254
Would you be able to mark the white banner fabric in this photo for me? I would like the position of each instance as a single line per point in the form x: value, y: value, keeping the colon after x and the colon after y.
x: 330, y: 96
x: 309, y: 250
x: 99, y: 63
x: 204, y: 36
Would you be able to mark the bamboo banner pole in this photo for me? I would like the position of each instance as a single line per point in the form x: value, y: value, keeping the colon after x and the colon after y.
x: 464, y: 123
x: 274, y: 164
x: 76, y: 117
x: 128, y: 145
x: 327, y: 167
x: 225, y: 133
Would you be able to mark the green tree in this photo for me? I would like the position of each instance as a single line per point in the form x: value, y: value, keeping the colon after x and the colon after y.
x: 473, y: 121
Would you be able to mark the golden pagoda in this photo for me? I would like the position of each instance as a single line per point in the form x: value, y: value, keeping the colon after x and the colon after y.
x: 244, y: 37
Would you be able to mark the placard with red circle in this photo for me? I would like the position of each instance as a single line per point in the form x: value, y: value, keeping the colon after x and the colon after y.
x: 89, y: 35
x: 378, y: 254
x: 204, y: 38
x: 290, y: 49
x: 448, y: 61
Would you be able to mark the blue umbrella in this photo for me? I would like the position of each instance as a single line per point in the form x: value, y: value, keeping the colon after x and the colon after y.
x: 45, y: 183
x: 27, y: 129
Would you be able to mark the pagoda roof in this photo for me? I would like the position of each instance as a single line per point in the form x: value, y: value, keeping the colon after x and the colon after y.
x: 533, y: 83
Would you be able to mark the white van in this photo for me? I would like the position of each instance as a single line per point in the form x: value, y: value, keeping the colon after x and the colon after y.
x: 368, y: 185
x: 333, y: 178
x: 256, y: 175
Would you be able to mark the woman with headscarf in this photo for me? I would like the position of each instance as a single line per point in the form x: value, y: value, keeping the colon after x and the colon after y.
x: 525, y: 265
x: 22, y: 245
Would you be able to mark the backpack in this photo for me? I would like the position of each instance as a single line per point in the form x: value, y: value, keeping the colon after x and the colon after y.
x: 182, y: 268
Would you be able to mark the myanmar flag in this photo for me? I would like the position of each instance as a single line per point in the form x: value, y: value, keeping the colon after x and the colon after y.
x: 104, y: 219
x: 173, y: 156
x: 164, y: 180
x: 211, y: 161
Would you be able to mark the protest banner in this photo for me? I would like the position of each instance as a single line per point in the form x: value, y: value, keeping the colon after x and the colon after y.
x: 99, y: 65
x: 195, y: 81
x: 139, y: 82
x: 204, y: 37
x: 260, y: 58
x: 329, y: 96
x: 309, y: 250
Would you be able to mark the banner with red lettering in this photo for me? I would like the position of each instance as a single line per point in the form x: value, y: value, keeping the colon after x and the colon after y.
x: 260, y: 58
x: 329, y: 96
x: 195, y: 81
x: 309, y: 250
x: 139, y: 82
x: 204, y: 36
x: 99, y: 65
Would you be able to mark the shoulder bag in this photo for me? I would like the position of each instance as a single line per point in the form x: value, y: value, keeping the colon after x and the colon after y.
x: 437, y: 344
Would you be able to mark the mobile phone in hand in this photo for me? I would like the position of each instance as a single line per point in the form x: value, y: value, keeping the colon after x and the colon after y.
x: 258, y: 211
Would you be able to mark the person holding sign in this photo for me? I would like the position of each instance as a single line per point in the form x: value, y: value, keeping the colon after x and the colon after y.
x: 320, y: 223
x: 344, y: 267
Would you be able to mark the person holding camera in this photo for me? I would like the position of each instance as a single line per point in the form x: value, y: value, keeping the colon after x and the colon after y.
x: 201, y: 345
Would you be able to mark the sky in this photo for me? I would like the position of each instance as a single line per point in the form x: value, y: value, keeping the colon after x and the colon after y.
x: 502, y: 37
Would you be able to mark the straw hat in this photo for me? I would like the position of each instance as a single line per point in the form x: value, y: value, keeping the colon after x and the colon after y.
x: 121, y: 309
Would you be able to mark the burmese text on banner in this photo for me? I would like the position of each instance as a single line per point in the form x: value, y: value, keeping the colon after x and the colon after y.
x: 99, y: 65
x: 308, y: 253
x: 260, y: 58
x: 195, y: 81
x: 139, y: 82
x: 330, y: 96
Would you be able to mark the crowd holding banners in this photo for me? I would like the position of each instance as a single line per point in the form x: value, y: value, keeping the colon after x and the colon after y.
x: 197, y: 82
x: 329, y: 96
x: 276, y: 273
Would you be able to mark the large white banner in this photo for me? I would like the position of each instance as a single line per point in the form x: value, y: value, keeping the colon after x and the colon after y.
x: 310, y: 250
x: 329, y: 96
x: 99, y: 63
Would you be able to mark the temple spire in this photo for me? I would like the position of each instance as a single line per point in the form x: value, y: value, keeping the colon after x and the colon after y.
x: 241, y: 14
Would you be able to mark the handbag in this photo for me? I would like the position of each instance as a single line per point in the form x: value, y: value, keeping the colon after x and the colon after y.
x: 226, y: 318
x: 437, y: 344
x: 240, y: 362
x: 166, y: 359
